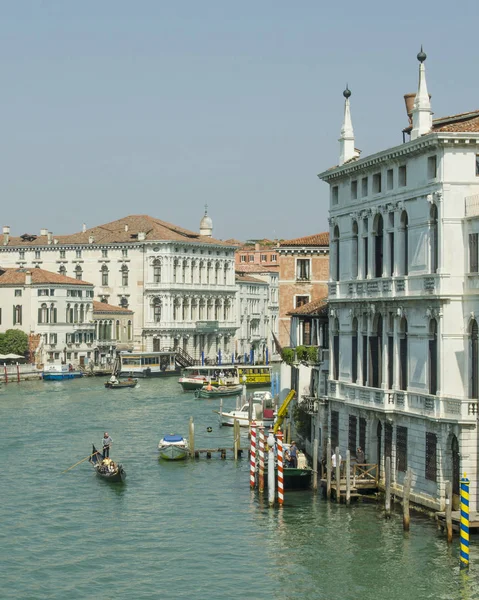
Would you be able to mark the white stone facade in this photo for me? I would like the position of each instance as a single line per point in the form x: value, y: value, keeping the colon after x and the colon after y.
x: 404, y: 304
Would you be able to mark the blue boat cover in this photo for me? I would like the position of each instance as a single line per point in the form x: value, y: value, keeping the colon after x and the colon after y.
x: 173, y: 438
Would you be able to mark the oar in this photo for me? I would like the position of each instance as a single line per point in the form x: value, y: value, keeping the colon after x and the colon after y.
x: 80, y: 461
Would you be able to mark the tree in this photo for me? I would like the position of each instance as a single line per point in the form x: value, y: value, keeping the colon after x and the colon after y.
x: 13, y: 341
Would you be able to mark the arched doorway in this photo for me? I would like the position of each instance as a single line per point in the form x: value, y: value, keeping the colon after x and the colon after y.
x: 456, y: 473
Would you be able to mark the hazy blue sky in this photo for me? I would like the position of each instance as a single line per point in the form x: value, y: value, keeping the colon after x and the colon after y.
x: 116, y: 107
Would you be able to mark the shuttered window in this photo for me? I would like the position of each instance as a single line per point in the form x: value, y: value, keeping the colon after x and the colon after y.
x: 401, y: 448
x: 388, y: 439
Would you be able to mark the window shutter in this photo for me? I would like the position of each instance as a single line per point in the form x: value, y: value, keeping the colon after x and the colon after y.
x: 39, y: 315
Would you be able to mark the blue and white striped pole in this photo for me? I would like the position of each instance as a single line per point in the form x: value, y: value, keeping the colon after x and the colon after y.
x: 464, y: 522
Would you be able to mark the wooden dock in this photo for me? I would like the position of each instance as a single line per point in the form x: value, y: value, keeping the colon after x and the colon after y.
x: 222, y: 452
x: 363, y: 480
x: 456, y: 520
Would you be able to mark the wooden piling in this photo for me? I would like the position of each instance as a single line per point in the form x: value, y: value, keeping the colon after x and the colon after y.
x: 18, y: 374
x: 449, y: 511
x: 348, y: 477
x: 405, y: 503
x: 328, y: 470
x: 271, y: 473
x: 252, y: 457
x: 221, y: 410
x: 236, y: 439
x: 5, y: 371
x: 192, y: 437
x: 261, y: 460
x: 315, y: 464
x: 387, y: 495
x: 338, y: 476
x: 279, y: 438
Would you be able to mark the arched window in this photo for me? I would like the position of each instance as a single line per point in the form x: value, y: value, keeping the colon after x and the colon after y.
x: 365, y: 248
x: 129, y: 331
x: 183, y: 268
x: 336, y: 349
x: 157, y: 310
x: 375, y: 352
x: 82, y: 314
x: 117, y: 330
x: 53, y: 314
x: 62, y: 270
x: 433, y: 357
x: 78, y: 272
x: 43, y: 314
x: 336, y: 258
x: 124, y: 302
x: 473, y: 360
x: 157, y: 270
x: 378, y: 246
x: 434, y: 242
x: 354, y: 352
x: 175, y: 270
x: 404, y: 224
x: 403, y: 355
x: 124, y: 275
x: 104, y: 275
x: 75, y: 313
x: 354, y: 252
x: 17, y: 315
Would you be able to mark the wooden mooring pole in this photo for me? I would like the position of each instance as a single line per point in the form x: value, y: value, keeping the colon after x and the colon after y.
x: 387, y: 495
x: 315, y: 464
x: 261, y: 460
x: 252, y: 457
x: 449, y: 511
x: 405, y: 504
x: 271, y: 474
x: 328, y: 470
x: 338, y: 476
x: 192, y: 437
x: 237, y: 439
x: 348, y: 477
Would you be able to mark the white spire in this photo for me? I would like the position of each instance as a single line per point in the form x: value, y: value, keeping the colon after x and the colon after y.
x: 346, y: 141
x: 421, y: 113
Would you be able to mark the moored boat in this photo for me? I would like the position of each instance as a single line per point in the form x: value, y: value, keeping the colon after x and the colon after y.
x: 114, y: 385
x: 59, y: 372
x: 173, y: 447
x: 194, y: 378
x: 263, y: 417
x: 295, y: 478
x: 210, y: 391
x: 107, y: 468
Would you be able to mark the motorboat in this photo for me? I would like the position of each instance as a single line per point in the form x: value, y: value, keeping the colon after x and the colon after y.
x: 263, y: 417
x: 59, y: 372
x: 210, y: 391
x: 114, y: 385
x: 173, y: 447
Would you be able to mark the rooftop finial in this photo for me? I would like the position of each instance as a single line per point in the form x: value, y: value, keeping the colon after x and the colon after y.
x: 347, y: 92
x: 421, y: 55
x: 206, y: 209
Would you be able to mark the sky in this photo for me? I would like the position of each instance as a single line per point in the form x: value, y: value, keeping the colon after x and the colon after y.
x: 116, y: 107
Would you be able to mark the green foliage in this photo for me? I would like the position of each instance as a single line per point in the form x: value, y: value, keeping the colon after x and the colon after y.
x: 307, y: 354
x: 287, y: 355
x: 13, y: 341
x: 302, y: 422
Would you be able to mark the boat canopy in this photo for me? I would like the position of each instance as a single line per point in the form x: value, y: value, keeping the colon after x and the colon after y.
x: 173, y: 438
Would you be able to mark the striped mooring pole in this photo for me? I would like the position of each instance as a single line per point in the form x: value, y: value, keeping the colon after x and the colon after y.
x: 261, y: 459
x: 279, y: 438
x: 465, y: 522
x: 252, y: 456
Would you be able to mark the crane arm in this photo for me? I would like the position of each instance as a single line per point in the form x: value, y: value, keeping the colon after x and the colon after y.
x: 283, y: 409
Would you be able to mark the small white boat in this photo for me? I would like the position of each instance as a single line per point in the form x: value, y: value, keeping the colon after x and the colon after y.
x: 173, y: 447
x: 263, y: 417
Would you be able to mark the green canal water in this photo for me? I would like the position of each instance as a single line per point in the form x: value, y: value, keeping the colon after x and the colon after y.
x: 186, y: 530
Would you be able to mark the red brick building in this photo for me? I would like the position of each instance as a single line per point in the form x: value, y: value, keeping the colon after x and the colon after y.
x: 303, y: 276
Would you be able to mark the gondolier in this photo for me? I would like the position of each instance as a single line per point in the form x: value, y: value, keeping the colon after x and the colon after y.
x: 107, y: 442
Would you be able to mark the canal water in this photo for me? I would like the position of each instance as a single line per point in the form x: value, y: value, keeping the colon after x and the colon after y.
x: 183, y: 530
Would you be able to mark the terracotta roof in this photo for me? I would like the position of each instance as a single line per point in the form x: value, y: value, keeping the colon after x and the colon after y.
x: 103, y: 307
x: 315, y: 308
x: 39, y: 276
x: 462, y: 122
x: 122, y: 231
x: 318, y: 239
x: 246, y: 268
x: 233, y: 242
x: 240, y: 278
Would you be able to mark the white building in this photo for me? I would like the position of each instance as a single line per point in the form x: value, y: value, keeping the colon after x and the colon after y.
x: 257, y: 286
x: 404, y: 304
x: 56, y: 307
x: 179, y: 284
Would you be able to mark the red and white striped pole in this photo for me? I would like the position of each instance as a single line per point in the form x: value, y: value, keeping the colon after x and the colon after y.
x: 279, y: 439
x: 252, y: 456
x: 261, y: 459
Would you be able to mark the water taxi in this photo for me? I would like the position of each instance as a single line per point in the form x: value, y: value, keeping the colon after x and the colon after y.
x: 59, y: 372
x: 148, y: 364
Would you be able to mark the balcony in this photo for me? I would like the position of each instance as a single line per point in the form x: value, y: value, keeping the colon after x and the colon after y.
x: 464, y: 410
x: 390, y: 287
x: 83, y: 326
x: 310, y: 404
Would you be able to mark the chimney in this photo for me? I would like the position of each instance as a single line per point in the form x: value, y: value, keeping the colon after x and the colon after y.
x: 83, y: 227
x: 256, y: 246
x: 409, y: 100
x: 43, y: 231
x: 55, y: 240
x: 6, y: 234
x: 126, y: 227
x: 28, y: 278
x: 50, y: 237
x: 91, y: 239
x: 141, y: 236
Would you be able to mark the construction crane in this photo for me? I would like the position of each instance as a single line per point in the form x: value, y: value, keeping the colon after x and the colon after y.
x: 283, y: 411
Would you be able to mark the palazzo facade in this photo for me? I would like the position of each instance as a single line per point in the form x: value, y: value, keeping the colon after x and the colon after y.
x: 404, y: 302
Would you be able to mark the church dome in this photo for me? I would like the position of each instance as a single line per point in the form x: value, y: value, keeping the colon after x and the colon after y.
x: 206, y: 224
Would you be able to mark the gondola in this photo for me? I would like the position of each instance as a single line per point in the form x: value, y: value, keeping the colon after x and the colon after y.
x: 114, y: 385
x: 218, y: 392
x: 106, y: 468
